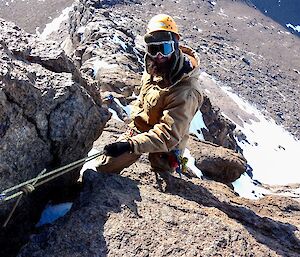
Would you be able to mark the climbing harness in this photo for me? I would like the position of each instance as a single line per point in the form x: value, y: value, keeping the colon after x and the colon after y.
x: 29, y: 186
x: 178, y: 162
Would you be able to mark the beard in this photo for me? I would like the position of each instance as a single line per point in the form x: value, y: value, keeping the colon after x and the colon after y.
x: 163, y: 69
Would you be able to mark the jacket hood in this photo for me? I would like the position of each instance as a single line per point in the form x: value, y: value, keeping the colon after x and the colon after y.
x: 192, y: 55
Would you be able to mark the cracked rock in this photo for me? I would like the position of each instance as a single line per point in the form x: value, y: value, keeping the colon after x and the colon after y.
x: 49, y: 115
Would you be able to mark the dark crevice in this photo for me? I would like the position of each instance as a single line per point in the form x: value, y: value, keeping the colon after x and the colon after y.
x: 28, y: 118
x: 53, y: 65
x: 53, y: 145
x: 59, y: 65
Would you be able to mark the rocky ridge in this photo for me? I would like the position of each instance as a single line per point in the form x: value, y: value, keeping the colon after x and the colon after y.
x: 140, y: 213
x: 49, y: 116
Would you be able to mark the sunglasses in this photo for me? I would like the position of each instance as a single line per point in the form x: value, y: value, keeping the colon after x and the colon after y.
x: 165, y: 48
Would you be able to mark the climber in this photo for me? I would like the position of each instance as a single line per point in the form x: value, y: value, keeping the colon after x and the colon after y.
x: 170, y: 96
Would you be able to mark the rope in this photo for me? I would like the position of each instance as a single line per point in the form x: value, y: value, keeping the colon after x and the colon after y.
x: 25, y: 190
x: 12, y: 211
x: 30, y: 185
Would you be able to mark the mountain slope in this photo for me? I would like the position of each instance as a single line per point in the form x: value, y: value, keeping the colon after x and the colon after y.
x: 238, y: 45
x: 139, y: 214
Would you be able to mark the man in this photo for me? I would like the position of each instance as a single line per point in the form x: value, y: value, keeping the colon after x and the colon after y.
x: 169, y: 98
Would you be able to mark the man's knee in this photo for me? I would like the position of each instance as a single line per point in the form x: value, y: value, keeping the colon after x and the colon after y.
x: 160, y: 162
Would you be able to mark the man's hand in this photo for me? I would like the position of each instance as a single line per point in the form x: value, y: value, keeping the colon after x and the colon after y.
x: 118, y: 148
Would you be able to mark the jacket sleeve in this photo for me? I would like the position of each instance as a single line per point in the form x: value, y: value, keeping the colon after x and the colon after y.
x: 173, y: 126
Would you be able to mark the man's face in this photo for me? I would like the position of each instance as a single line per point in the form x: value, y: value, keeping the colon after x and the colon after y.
x: 159, y: 66
x: 160, y: 57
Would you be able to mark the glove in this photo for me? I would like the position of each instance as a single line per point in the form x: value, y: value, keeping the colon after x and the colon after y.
x: 118, y: 148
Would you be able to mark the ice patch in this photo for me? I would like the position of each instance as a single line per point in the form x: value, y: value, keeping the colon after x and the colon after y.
x: 117, y: 40
x: 196, y: 124
x: 296, y: 28
x: 245, y: 187
x: 53, y: 212
x: 191, y: 163
x: 55, y: 24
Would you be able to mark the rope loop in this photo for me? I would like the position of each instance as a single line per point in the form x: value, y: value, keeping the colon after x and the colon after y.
x: 27, y: 189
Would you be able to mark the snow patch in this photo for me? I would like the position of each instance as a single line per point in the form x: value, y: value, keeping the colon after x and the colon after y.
x: 52, y: 212
x: 81, y: 31
x: 99, y: 64
x: 221, y: 13
x: 196, y: 124
x: 117, y: 40
x: 271, y: 151
x: 90, y: 165
x: 55, y: 24
x: 246, y: 187
x: 213, y: 3
x: 191, y: 163
x: 114, y: 115
x: 126, y: 108
x: 295, y: 28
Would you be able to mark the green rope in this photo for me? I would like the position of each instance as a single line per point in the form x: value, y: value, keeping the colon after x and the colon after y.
x: 25, y: 190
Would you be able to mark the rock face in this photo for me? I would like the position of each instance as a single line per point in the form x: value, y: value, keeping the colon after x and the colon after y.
x: 133, y: 215
x: 103, y: 48
x: 220, y: 129
x: 49, y: 114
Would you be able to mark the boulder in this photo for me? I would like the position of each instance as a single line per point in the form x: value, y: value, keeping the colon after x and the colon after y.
x: 49, y: 114
x: 217, y: 162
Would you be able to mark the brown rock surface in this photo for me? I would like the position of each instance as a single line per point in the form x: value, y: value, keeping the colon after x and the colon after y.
x: 127, y: 215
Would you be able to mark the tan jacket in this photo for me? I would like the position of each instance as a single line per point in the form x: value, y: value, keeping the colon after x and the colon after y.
x: 163, y: 114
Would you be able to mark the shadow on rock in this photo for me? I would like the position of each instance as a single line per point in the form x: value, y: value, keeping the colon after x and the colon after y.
x: 276, y: 235
x: 81, y: 233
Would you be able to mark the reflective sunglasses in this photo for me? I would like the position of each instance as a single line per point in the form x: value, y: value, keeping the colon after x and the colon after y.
x: 165, y: 48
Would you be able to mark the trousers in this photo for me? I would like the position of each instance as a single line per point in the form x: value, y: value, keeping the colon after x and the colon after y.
x: 159, y: 161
